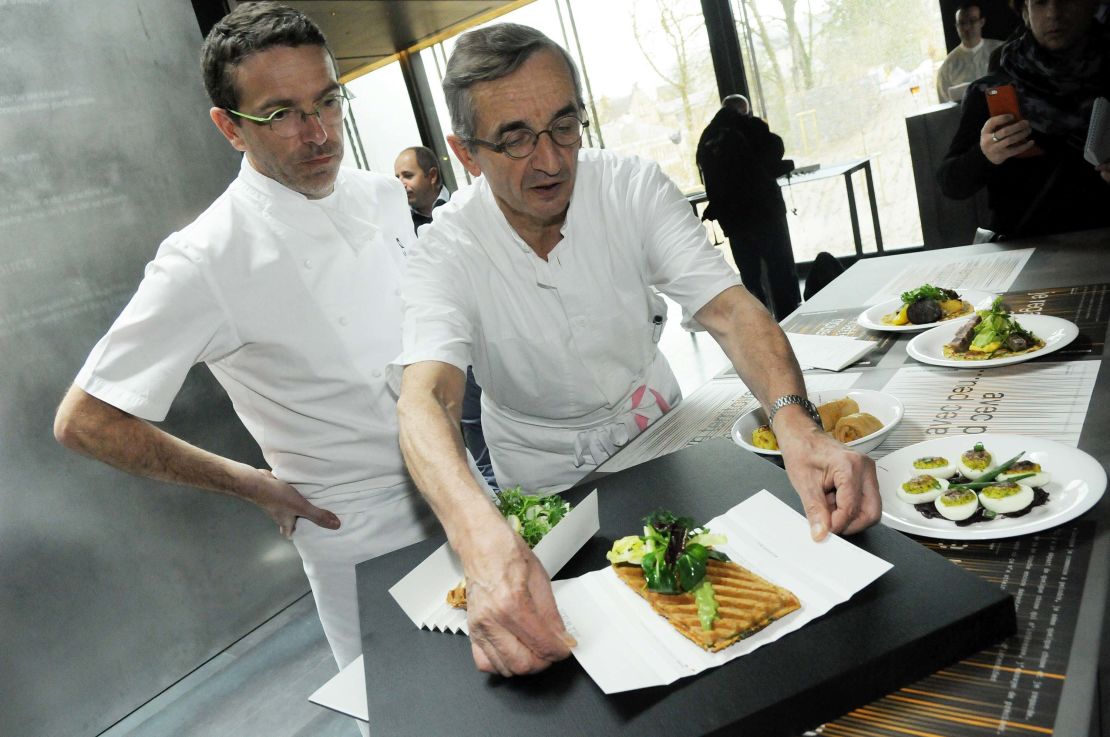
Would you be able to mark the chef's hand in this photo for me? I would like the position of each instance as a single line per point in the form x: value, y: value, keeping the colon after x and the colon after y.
x: 515, y: 627
x: 1104, y: 170
x: 285, y: 504
x: 1001, y: 139
x: 838, y: 486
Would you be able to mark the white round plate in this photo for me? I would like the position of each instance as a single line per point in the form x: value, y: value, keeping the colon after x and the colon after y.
x: 1056, y: 332
x: 887, y: 409
x: 872, y: 317
x: 1078, y: 482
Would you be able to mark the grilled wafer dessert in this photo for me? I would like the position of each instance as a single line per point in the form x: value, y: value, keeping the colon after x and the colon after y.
x: 746, y: 603
x: 705, y: 596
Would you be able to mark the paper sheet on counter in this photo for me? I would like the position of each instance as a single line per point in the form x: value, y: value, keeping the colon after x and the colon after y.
x: 829, y: 352
x: 988, y: 272
x: 422, y: 594
x: 624, y: 645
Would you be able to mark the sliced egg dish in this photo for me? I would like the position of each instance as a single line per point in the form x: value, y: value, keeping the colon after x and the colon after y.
x: 1006, y: 497
x: 1040, y: 477
x: 957, y: 504
x: 936, y: 466
x: 974, y: 463
x: 922, y: 489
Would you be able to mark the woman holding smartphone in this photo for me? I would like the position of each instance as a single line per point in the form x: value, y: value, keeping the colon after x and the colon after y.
x: 1024, y: 126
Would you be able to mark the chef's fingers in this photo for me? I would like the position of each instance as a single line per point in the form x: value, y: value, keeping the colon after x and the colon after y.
x: 817, y: 511
x: 487, y: 662
x: 864, y: 507
x: 506, y: 653
x: 320, y: 517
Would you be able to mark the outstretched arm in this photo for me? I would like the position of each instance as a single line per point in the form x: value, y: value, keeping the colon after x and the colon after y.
x: 515, y: 627
x: 838, y: 487
x: 96, y: 429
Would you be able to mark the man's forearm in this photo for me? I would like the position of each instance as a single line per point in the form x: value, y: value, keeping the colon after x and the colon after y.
x: 96, y: 429
x: 432, y: 446
x: 755, y: 344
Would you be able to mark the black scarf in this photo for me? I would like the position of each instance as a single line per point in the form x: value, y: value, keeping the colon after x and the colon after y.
x: 1057, y: 92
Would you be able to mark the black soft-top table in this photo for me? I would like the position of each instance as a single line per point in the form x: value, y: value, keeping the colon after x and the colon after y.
x: 915, y: 619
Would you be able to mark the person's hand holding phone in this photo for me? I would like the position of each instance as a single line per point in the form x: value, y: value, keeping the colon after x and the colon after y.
x: 1003, y: 138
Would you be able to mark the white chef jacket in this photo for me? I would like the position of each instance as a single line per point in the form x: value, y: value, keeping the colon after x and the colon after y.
x: 964, y: 65
x: 294, y: 304
x: 565, y: 350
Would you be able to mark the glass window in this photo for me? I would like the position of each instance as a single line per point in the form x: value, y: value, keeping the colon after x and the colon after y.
x: 647, y: 74
x: 651, y: 74
x: 383, y: 114
x: 837, y: 85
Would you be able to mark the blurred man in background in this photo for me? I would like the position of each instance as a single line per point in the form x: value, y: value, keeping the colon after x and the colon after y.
x: 970, y: 60
x: 741, y: 160
x: 418, y: 170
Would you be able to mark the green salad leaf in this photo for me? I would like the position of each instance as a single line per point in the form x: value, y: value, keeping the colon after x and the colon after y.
x: 530, y: 516
x: 674, y: 555
x: 996, y: 325
x: 925, y: 291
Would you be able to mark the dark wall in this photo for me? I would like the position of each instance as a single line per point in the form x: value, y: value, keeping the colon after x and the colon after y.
x: 1001, y: 21
x: 111, y: 587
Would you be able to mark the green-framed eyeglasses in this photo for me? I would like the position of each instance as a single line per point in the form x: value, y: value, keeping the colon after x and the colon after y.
x: 286, y: 122
x: 521, y: 142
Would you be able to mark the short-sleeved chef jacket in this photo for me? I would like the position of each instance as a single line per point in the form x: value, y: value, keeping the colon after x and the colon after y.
x: 294, y: 304
x: 565, y: 349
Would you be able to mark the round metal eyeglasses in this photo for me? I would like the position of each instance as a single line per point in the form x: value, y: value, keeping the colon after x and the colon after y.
x: 521, y: 142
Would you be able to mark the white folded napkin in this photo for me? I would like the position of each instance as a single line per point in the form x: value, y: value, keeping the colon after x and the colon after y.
x: 831, y: 352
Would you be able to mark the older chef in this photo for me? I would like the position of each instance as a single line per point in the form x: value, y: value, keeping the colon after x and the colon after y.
x: 541, y: 275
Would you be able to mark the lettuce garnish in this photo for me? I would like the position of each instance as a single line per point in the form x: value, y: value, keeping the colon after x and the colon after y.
x: 530, y: 516
x: 673, y: 552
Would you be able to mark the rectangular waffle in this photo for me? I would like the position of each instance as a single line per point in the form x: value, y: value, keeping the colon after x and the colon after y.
x: 746, y: 604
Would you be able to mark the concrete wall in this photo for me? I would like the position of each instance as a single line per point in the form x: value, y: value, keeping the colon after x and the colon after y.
x: 111, y: 587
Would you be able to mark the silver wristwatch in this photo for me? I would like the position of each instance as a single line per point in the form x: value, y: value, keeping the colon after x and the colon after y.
x: 789, y: 399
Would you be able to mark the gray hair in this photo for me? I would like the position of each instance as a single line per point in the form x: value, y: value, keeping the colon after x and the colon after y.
x: 491, y: 53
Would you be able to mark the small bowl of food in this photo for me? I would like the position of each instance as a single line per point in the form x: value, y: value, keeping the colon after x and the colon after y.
x: 859, y: 418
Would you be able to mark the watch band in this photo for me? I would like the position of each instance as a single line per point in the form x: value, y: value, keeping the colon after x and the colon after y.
x: 788, y: 399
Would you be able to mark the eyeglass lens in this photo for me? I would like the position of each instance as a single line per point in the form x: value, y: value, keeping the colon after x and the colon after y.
x: 565, y: 131
x: 287, y: 123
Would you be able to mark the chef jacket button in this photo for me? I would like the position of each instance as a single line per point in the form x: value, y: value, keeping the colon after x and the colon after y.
x: 376, y: 374
x: 308, y: 263
x: 342, y: 321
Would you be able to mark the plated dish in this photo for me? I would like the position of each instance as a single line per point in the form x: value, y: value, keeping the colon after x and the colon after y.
x: 886, y: 408
x: 872, y: 317
x: 1071, y: 482
x: 930, y: 346
x: 708, y: 598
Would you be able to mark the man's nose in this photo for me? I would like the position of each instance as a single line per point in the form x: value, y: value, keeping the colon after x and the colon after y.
x: 546, y: 156
x: 313, y: 131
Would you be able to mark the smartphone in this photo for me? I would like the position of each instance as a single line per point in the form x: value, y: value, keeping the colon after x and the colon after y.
x: 1003, y: 100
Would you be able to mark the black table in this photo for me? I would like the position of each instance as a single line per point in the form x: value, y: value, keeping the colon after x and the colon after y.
x: 898, y: 629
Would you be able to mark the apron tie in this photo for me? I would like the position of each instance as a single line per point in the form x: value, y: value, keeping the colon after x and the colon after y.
x: 598, y: 444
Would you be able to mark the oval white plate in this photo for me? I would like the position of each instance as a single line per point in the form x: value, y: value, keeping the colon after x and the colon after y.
x: 1078, y: 482
x: 887, y: 409
x: 872, y: 317
x: 1056, y: 332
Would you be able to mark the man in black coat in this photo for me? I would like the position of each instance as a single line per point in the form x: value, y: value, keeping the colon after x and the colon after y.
x: 740, y: 160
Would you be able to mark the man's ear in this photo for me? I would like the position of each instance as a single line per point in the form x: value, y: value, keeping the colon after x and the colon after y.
x: 232, y: 132
x: 433, y: 177
x: 464, y: 155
